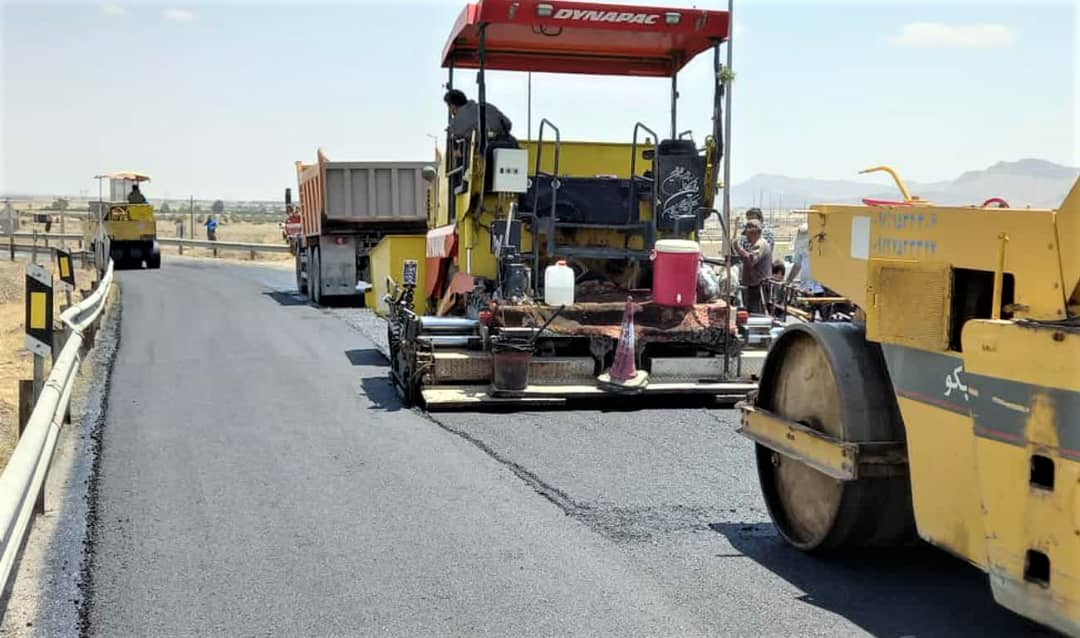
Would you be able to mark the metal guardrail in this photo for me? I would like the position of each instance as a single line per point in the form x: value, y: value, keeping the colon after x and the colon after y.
x: 224, y: 245
x: 244, y: 246
x: 48, y: 236
x: 23, y: 478
x: 171, y: 241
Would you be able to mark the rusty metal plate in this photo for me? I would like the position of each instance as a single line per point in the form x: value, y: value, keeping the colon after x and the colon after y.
x: 697, y: 324
x: 460, y: 366
x: 561, y: 370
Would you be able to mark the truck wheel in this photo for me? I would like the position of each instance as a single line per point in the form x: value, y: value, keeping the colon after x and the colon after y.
x: 828, y: 377
x: 119, y: 257
x: 315, y: 276
x: 301, y: 283
x: 154, y: 260
x: 402, y: 373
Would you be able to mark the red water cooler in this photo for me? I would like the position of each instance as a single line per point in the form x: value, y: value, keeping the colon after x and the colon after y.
x: 675, y: 268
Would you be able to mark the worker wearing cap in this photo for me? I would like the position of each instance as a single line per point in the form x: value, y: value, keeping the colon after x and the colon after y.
x: 756, y: 266
x: 766, y: 232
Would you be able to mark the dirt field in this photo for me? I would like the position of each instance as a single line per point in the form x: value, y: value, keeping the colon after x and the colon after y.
x: 260, y: 233
x: 15, y: 362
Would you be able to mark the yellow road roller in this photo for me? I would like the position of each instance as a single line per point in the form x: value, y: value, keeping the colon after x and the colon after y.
x: 948, y: 408
x: 124, y: 224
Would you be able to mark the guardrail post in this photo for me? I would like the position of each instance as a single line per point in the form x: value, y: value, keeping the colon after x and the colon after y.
x: 26, y: 403
x: 27, y: 399
x: 88, y: 337
x: 39, y: 375
x: 58, y: 339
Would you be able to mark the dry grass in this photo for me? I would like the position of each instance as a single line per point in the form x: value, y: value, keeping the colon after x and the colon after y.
x: 15, y: 361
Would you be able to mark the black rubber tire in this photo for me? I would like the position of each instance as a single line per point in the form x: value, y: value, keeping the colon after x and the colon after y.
x: 400, y: 372
x: 315, y: 276
x: 827, y: 376
x: 301, y: 283
x: 120, y: 258
x: 154, y: 260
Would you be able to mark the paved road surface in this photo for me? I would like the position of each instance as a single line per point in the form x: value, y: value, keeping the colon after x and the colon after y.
x: 258, y: 477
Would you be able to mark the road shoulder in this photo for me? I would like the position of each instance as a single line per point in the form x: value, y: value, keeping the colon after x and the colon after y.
x: 49, y: 591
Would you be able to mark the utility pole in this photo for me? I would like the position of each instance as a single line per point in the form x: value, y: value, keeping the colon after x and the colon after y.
x: 528, y: 108
x: 11, y: 226
x: 191, y: 216
x: 726, y: 79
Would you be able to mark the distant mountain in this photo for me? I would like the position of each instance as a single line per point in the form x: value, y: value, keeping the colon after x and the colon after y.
x: 1027, y: 182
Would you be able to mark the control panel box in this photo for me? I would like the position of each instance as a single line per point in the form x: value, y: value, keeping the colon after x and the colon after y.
x: 510, y: 170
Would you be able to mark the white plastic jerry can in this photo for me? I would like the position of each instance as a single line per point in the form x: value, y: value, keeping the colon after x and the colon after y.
x: 559, y: 284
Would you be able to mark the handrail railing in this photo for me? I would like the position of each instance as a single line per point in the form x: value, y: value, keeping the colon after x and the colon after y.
x: 555, y: 167
x: 633, y: 179
x: 23, y: 478
x: 536, y: 197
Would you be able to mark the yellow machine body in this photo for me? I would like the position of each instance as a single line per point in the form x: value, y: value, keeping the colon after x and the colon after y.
x: 130, y: 231
x: 388, y: 260
x: 576, y: 159
x: 977, y: 314
x: 130, y: 222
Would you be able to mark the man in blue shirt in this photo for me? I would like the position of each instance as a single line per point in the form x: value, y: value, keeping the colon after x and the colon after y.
x: 211, y: 228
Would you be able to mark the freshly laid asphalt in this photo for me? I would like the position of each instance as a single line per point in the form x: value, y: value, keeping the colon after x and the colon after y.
x: 258, y: 476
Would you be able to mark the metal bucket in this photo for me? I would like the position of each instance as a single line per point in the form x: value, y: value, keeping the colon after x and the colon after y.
x: 510, y: 360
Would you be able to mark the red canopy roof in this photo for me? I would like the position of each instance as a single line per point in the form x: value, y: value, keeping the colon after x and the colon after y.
x: 582, y: 37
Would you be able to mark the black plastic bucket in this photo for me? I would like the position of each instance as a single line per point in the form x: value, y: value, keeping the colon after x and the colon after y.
x: 510, y: 365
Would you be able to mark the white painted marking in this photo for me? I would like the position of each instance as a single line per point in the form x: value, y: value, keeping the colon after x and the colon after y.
x: 1016, y: 407
x: 38, y: 272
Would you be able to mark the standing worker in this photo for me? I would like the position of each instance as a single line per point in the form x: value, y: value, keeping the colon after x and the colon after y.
x: 766, y: 232
x: 211, y: 228
x: 756, y: 266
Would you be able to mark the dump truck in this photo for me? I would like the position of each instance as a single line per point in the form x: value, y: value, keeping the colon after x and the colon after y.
x: 470, y: 298
x: 346, y: 208
x: 948, y: 407
x: 124, y: 230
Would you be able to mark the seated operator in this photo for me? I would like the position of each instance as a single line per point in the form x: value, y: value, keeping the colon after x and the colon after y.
x: 136, y: 196
x: 466, y: 118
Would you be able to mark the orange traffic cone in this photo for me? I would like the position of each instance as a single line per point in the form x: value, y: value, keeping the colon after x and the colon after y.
x: 624, y: 375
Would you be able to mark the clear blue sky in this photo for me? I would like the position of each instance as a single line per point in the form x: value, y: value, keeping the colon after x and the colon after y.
x: 219, y: 100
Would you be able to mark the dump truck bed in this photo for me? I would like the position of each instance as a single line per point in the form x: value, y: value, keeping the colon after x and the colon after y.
x: 348, y: 196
